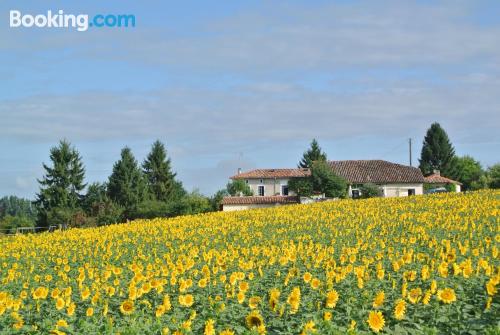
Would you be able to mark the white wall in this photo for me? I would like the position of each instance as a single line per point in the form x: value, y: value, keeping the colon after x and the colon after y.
x: 231, y: 208
x: 271, y: 186
x: 401, y: 190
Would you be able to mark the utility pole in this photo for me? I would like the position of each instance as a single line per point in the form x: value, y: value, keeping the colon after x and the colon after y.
x: 409, y: 148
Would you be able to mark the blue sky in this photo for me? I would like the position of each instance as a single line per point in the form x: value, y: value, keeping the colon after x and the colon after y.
x: 228, y: 84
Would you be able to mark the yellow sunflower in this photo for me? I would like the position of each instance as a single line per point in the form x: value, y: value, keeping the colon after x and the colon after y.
x: 447, y: 295
x: 376, y: 321
x: 127, y: 307
x: 254, y: 320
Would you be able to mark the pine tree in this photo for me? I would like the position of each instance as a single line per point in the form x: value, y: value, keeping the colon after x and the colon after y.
x: 313, y: 154
x: 126, y: 185
x: 437, y: 151
x: 159, y: 175
x: 62, y: 183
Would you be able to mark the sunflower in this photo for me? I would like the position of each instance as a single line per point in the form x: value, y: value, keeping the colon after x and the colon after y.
x: 59, y: 304
x: 309, y: 328
x: 127, y: 307
x: 186, y: 300
x: 327, y: 316
x: 332, y: 298
x: 226, y: 332
x: 307, y: 277
x: 447, y: 295
x: 294, y: 299
x: 160, y: 310
x: 379, y: 299
x: 376, y: 321
x: 254, y: 320
x: 315, y: 283
x: 415, y: 295
x: 62, y: 323
x: 90, y: 312
x: 400, y: 309
x: 253, y: 302
x: 209, y: 327
x: 71, y: 309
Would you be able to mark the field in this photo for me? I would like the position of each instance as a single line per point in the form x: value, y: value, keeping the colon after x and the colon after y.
x: 417, y: 265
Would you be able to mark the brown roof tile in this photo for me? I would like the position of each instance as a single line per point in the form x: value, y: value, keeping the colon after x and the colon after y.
x: 438, y: 179
x: 273, y: 173
x: 256, y: 200
x: 376, y: 171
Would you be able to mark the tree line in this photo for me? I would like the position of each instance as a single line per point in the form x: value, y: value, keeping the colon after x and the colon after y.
x: 151, y: 189
x: 132, y: 191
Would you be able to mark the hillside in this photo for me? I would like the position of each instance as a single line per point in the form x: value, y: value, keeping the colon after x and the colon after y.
x: 409, y: 265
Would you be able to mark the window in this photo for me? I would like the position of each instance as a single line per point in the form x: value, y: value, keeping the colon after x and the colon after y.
x: 356, y: 194
x: 411, y: 191
x: 246, y: 181
x: 261, y: 181
x: 261, y: 190
x: 284, y: 189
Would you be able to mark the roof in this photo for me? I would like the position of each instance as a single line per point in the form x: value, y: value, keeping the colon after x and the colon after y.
x: 257, y: 200
x: 376, y: 171
x: 273, y: 173
x: 438, y: 179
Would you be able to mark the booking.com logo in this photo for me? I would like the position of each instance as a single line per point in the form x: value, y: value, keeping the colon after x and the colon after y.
x: 59, y: 19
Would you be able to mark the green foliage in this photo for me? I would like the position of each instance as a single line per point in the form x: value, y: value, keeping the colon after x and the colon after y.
x: 303, y: 187
x: 370, y: 190
x: 127, y: 186
x: 451, y: 187
x: 62, y: 183
x: 494, y: 176
x: 9, y: 223
x: 468, y: 171
x: 14, y: 206
x: 216, y: 199
x: 437, y: 151
x: 192, y: 203
x: 150, y: 209
x: 324, y: 180
x: 159, y: 175
x: 313, y: 154
x: 237, y: 186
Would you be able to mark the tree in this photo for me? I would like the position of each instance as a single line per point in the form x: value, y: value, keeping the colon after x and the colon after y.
x: 62, y: 183
x: 313, y: 154
x: 216, y: 199
x: 494, y: 176
x: 17, y: 207
x: 468, y: 171
x: 303, y: 187
x: 437, y: 151
x: 237, y: 187
x: 370, y: 190
x: 324, y: 180
x: 126, y: 185
x: 159, y: 176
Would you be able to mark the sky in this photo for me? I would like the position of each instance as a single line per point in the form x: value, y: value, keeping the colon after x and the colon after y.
x: 228, y: 84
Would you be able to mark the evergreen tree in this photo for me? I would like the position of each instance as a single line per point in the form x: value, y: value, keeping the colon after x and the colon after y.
x: 312, y: 155
x: 62, y: 183
x: 437, y: 151
x: 126, y: 185
x: 159, y: 176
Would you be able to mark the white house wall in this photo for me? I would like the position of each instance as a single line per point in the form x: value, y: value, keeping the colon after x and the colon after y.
x: 271, y: 186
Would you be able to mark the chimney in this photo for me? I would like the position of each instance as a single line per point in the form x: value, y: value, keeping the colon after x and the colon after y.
x: 239, y: 170
x: 437, y: 172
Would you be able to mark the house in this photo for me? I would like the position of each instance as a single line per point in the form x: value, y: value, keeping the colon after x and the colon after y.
x: 435, y: 180
x: 270, y: 186
x: 394, y: 180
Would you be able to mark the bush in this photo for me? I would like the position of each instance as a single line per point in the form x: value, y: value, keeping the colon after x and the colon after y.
x: 303, y: 187
x: 370, y: 190
x: 238, y: 186
x: 9, y: 223
x: 324, y: 180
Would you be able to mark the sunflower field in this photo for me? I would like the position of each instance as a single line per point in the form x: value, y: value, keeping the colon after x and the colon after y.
x: 415, y: 265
